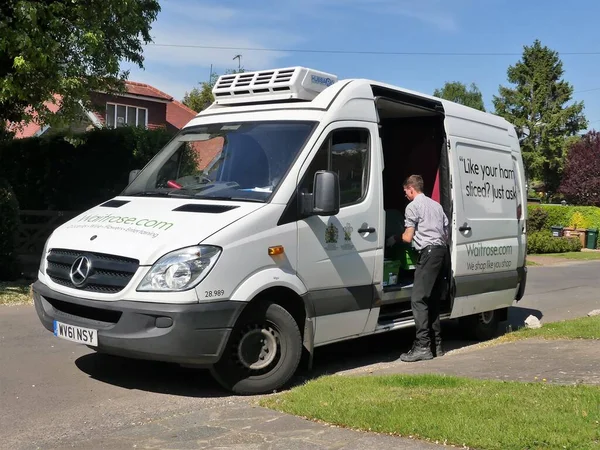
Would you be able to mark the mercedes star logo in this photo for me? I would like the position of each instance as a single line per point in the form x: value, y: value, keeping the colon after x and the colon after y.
x: 80, y: 270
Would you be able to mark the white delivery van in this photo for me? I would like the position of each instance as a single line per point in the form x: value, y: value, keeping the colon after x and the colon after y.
x: 277, y: 245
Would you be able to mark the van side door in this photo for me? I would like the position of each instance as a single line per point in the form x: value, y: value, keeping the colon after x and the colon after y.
x: 337, y: 254
x: 486, y: 229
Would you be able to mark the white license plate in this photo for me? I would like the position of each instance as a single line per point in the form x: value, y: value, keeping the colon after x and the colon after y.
x: 76, y: 334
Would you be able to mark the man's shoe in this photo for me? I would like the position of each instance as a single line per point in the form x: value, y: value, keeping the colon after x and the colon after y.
x: 439, y: 350
x: 417, y: 353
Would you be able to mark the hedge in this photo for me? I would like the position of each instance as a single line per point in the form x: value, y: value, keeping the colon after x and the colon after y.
x: 543, y: 217
x: 74, y: 173
x: 541, y: 242
x: 9, y: 228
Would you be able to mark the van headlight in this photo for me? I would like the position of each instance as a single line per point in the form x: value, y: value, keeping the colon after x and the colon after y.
x: 43, y: 258
x: 180, y: 270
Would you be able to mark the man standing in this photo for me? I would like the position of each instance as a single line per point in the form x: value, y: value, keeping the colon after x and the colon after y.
x: 426, y: 226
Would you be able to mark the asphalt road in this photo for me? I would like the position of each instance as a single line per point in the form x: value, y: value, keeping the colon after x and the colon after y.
x: 55, y: 394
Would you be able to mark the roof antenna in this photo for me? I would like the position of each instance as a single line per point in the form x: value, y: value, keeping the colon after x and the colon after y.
x: 239, y: 58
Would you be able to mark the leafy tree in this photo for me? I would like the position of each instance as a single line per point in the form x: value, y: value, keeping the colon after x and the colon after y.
x: 68, y: 48
x: 199, y: 99
x: 538, y: 107
x: 581, y: 182
x: 458, y: 92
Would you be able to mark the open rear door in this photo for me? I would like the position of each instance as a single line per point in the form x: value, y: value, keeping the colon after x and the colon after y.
x: 486, y: 246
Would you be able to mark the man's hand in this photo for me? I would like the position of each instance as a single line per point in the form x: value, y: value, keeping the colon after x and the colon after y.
x: 408, y: 235
x: 390, y: 241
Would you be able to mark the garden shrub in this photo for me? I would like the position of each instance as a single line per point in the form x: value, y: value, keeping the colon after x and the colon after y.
x: 538, y: 219
x: 577, y: 220
x: 60, y: 172
x: 563, y: 216
x: 541, y: 242
x: 9, y: 228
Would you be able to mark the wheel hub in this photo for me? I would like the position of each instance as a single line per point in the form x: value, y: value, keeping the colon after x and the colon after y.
x: 486, y: 317
x: 257, y: 348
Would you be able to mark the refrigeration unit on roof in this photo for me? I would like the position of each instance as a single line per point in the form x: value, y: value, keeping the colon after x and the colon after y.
x: 292, y: 83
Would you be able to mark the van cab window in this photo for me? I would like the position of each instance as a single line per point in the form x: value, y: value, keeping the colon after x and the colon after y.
x: 237, y: 161
x: 346, y: 152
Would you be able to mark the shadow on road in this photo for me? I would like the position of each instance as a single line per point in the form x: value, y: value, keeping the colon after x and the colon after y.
x: 517, y: 316
x: 150, y: 376
x: 358, y: 353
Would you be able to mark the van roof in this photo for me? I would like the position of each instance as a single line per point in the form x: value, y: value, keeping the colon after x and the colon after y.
x: 320, y: 96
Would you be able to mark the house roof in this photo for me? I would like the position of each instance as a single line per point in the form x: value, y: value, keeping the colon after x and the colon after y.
x: 145, y: 90
x: 23, y: 130
x: 177, y: 113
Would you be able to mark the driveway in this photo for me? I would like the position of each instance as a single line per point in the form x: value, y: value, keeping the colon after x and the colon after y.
x: 56, y: 394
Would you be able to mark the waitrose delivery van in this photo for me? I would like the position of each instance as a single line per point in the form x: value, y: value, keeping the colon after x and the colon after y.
x: 277, y: 245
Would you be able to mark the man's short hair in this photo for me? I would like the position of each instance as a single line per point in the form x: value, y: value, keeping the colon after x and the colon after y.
x: 416, y: 182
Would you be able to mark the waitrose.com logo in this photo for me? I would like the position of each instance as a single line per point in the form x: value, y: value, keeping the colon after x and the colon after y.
x: 135, y: 221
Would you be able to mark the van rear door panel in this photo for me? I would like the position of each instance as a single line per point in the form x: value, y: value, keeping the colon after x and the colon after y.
x: 485, y: 236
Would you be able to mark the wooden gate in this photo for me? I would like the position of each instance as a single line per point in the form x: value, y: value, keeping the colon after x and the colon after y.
x: 34, y: 230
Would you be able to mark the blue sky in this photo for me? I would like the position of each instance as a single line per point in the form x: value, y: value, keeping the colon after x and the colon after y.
x: 496, y: 26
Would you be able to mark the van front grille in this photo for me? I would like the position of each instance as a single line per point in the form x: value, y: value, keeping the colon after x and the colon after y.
x: 102, y: 273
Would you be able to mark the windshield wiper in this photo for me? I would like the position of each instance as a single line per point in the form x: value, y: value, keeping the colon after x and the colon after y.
x: 177, y: 193
x: 150, y: 194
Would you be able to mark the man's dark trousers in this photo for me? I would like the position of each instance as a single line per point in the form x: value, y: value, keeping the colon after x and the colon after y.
x: 427, y: 290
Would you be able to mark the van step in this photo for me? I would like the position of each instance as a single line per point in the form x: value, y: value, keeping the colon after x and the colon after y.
x: 399, y: 310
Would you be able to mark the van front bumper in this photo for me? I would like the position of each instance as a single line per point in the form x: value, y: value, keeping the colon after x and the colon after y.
x: 193, y: 334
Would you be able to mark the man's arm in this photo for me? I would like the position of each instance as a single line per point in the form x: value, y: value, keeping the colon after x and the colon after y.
x: 411, y: 220
x: 408, y: 235
x: 446, y: 228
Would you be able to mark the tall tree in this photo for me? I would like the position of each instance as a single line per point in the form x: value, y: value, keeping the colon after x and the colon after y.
x: 538, y: 106
x: 581, y: 181
x: 199, y: 99
x: 458, y: 92
x: 68, y: 48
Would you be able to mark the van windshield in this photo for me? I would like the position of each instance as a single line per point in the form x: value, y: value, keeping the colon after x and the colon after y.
x: 226, y: 161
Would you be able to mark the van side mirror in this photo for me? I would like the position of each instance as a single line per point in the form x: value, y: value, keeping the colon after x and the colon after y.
x: 325, y: 200
x: 133, y: 174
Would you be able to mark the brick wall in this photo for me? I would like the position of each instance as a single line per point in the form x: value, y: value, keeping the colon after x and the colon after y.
x: 157, y: 112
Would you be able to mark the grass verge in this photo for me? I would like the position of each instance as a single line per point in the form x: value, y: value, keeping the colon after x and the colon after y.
x: 580, y: 328
x: 15, y: 293
x: 457, y: 411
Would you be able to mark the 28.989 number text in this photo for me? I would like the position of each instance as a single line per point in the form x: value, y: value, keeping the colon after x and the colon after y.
x: 216, y: 293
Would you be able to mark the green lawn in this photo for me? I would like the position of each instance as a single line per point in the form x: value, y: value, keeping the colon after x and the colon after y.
x: 14, y: 293
x: 475, y: 413
x: 581, y: 328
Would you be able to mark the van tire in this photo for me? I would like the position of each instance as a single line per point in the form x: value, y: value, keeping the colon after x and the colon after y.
x: 262, y: 352
x: 482, y: 326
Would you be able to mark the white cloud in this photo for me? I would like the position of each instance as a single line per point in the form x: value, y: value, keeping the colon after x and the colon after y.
x: 182, y: 53
x: 183, y: 24
x: 441, y: 20
x: 431, y: 12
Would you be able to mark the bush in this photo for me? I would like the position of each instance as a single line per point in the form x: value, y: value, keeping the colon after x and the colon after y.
x: 543, y: 242
x: 563, y: 216
x: 9, y: 227
x: 538, y: 219
x: 64, y: 173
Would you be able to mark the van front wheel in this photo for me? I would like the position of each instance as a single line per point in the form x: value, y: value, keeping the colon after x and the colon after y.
x: 262, y: 353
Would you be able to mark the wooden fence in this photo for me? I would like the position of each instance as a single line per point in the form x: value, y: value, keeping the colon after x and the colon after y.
x: 35, y: 228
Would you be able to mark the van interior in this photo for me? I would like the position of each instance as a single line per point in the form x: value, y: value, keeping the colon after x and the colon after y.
x: 412, y: 135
